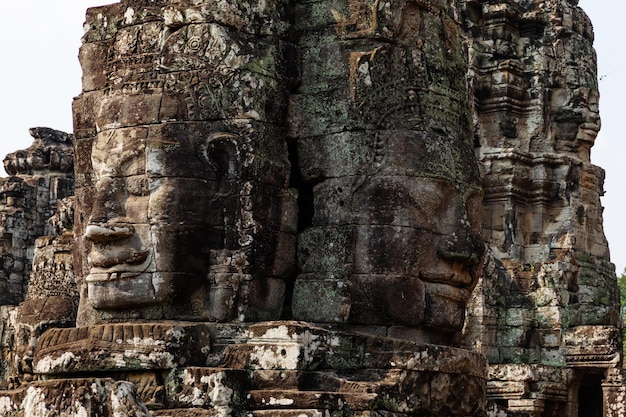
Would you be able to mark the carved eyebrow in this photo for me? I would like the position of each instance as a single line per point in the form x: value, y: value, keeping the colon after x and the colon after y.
x: 112, y: 161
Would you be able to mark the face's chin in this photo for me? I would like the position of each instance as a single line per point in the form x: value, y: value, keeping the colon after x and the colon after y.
x: 445, y: 306
x: 122, y: 292
x: 120, y: 277
x: 447, y: 289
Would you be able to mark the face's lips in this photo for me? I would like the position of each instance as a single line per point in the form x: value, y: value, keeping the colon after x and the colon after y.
x: 99, y: 233
x: 110, y: 269
x: 590, y: 129
x: 97, y: 277
x: 109, y: 256
x: 453, y: 275
x: 594, y: 126
x: 447, y: 291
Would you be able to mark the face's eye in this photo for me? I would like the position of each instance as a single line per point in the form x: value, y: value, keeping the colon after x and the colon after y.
x: 137, y: 186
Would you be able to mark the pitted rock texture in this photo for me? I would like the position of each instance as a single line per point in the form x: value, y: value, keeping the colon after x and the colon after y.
x: 182, y: 162
x: 366, y: 166
x: 546, y: 310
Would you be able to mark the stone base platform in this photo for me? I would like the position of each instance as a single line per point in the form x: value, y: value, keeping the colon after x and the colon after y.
x: 278, y: 369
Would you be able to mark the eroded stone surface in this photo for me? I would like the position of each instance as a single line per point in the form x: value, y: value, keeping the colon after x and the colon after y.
x: 382, y: 123
x: 239, y: 162
x: 546, y: 309
x: 269, y: 366
x: 74, y: 398
x: 121, y: 347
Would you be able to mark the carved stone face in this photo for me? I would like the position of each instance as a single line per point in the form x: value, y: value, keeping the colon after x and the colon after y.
x: 418, y: 258
x: 178, y: 218
x: 155, y: 219
x: 575, y: 119
x: 394, y: 240
x: 406, y: 235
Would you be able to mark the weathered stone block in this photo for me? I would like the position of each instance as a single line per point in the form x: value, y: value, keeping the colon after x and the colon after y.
x: 344, y: 154
x: 121, y: 347
x: 278, y: 345
x: 215, y: 388
x: 387, y: 299
x: 328, y: 290
x: 75, y: 397
x: 326, y: 249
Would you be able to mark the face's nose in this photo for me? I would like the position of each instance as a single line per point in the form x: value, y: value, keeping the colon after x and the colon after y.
x: 463, y: 242
x: 464, y: 248
x: 106, y: 222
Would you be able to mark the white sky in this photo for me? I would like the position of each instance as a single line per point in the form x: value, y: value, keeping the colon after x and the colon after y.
x: 40, y: 74
x: 609, y: 151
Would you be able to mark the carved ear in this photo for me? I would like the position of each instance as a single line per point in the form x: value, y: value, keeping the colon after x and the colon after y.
x: 222, y: 152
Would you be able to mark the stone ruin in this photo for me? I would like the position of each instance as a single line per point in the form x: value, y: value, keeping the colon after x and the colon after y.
x: 546, y: 312
x: 35, y: 201
x: 316, y: 208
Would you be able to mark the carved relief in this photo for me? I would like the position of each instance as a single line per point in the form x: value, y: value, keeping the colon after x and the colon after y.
x: 189, y: 104
x: 379, y: 214
x: 216, y: 138
x: 361, y: 21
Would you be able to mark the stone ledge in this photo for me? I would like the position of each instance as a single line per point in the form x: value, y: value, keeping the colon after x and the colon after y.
x: 121, y: 347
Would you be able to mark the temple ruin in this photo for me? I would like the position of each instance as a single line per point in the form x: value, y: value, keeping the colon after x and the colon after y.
x: 347, y: 208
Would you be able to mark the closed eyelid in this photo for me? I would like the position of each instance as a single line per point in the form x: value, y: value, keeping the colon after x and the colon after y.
x: 115, y: 166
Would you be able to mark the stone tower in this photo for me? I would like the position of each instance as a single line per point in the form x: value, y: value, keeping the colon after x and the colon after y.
x: 546, y: 311
x: 39, y: 177
x: 35, y: 201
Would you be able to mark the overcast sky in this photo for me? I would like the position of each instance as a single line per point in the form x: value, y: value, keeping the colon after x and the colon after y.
x: 40, y: 74
x: 609, y: 151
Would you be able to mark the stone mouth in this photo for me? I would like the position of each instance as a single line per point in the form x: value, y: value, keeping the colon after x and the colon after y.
x: 448, y: 291
x: 455, y: 276
x: 108, y: 233
x: 109, y: 256
x: 96, y: 277
x: 120, y: 270
x: 590, y: 127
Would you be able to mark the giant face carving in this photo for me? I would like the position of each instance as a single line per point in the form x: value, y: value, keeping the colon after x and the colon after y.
x: 401, y: 244
x: 388, y: 239
x: 394, y: 239
x: 179, y: 220
x: 418, y: 258
x: 160, y: 213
